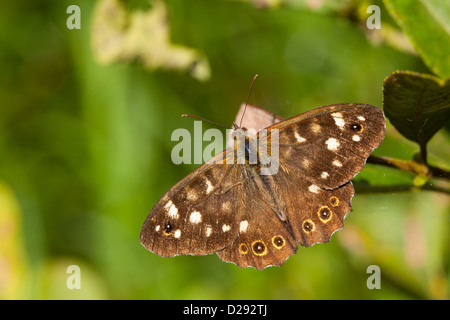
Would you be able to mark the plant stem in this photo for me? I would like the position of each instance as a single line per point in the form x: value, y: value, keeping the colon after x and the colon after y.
x: 410, y: 166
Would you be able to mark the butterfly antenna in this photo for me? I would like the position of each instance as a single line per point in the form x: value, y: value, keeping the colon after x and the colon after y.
x: 248, y: 96
x: 212, y: 122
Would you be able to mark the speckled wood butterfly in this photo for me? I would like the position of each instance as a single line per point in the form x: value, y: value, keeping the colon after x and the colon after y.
x: 257, y: 220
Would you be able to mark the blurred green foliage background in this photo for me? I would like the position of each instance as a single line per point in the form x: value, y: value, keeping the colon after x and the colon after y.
x: 85, y: 147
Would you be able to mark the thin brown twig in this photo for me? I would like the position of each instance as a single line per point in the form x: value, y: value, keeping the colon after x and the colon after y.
x: 410, y: 166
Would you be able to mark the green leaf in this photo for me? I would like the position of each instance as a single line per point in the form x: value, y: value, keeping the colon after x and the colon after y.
x: 427, y: 25
x: 417, y: 105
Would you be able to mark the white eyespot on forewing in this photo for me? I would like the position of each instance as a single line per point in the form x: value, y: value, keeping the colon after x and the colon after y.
x: 324, y: 175
x: 361, y: 118
x: 332, y: 144
x: 356, y: 138
x: 171, y: 209
x: 195, y: 217
x: 177, y: 233
x: 226, y: 228
x: 314, y: 189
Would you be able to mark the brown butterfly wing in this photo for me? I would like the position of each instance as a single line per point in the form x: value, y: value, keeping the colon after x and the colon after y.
x: 328, y: 146
x: 319, y: 152
x: 197, y: 215
x: 263, y: 239
x: 313, y: 213
x: 290, y: 210
x: 310, y: 196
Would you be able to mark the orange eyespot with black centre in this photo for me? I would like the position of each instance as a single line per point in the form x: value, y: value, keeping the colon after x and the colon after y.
x: 324, y: 214
x: 168, y: 228
x: 259, y: 248
x: 278, y: 242
x: 308, y: 226
x: 334, y: 201
x: 243, y: 249
x: 357, y: 127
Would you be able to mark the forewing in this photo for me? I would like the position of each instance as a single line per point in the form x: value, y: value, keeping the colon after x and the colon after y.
x: 197, y: 215
x: 328, y: 146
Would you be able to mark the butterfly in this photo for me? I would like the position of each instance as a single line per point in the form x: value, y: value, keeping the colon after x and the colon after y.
x: 256, y: 220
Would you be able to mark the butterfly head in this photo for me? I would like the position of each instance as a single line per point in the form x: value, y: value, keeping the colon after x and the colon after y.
x: 241, y: 134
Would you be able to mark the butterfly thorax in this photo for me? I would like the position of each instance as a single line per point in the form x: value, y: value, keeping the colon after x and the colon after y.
x: 245, y: 146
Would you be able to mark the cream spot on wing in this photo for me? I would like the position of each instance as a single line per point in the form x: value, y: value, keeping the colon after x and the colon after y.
x: 192, y: 195
x: 195, y: 217
x: 324, y: 175
x: 157, y: 228
x: 361, y: 118
x: 226, y: 228
x: 226, y: 206
x: 356, y: 138
x: 314, y: 189
x: 305, y: 163
x: 337, y: 163
x: 208, y: 231
x: 315, y: 127
x: 332, y: 144
x: 243, y: 226
x: 177, y: 233
x: 209, y: 186
x: 171, y: 209
x: 340, y: 122
x: 298, y: 137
